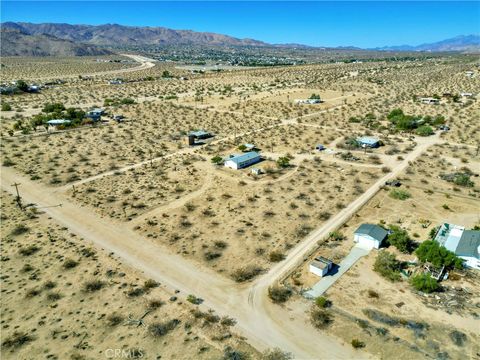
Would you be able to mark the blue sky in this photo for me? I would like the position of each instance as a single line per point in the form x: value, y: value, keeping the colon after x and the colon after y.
x: 342, y: 23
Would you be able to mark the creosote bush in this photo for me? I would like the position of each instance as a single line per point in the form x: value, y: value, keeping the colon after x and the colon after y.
x: 279, y: 294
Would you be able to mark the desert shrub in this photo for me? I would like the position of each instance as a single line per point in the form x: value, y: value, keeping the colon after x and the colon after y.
x: 150, y: 284
x: 54, y: 296
x: 399, y: 194
x: 425, y: 283
x: 373, y: 294
x: 220, y: 244
x: 431, y: 251
x: 155, y: 304
x: 19, y: 229
x: 162, y: 329
x: 227, y: 321
x: 322, y: 302
x: 279, y: 294
x: 8, y: 162
x: 17, y: 340
x: 114, y: 319
x: 276, y: 256
x: 93, y: 285
x: 194, y: 300
x: 32, y: 293
x: 29, y: 250
x: 276, y: 354
x: 217, y: 160
x: 230, y: 353
x: 246, y: 273
x: 400, y: 239
x: 320, y: 318
x: 424, y: 130
x: 69, y: 264
x: 336, y: 235
x: 212, y: 255
x: 387, y: 265
x: 357, y: 343
x: 283, y: 162
x: 458, y: 337
x: 135, y: 292
x: 6, y: 107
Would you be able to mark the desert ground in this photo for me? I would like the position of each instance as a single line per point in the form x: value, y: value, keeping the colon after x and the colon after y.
x: 246, y: 232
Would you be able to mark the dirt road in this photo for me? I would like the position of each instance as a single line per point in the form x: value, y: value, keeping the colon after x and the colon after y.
x: 265, y: 325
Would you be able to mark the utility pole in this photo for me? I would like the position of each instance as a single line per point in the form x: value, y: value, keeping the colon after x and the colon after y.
x: 18, y: 199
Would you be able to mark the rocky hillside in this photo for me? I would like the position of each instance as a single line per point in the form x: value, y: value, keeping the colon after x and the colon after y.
x: 17, y: 43
x: 113, y: 34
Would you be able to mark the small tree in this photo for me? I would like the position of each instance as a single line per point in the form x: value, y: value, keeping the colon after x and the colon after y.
x: 242, y: 147
x: 387, y: 265
x: 217, y: 160
x: 276, y: 354
x: 283, y: 162
x: 400, y: 239
x: 425, y: 283
x: 22, y: 85
x: 431, y: 251
x: 6, y: 107
x: 425, y: 130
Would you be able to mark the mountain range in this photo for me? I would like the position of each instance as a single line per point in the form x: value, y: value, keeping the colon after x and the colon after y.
x: 461, y: 43
x: 17, y: 43
x: 28, y: 39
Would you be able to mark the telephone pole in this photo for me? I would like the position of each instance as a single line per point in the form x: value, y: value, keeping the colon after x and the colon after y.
x: 18, y: 198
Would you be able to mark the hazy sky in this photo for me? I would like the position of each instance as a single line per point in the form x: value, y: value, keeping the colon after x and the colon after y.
x: 357, y: 23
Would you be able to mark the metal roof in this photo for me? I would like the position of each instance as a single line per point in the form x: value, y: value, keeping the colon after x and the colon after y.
x: 199, y: 133
x: 237, y: 159
x: 375, y: 231
x: 321, y: 263
x: 367, y: 140
x: 58, y: 122
x: 469, y: 244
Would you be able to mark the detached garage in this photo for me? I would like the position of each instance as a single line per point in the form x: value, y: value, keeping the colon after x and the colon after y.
x: 370, y: 236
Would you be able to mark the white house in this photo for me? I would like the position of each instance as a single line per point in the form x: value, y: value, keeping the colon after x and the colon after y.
x: 466, y: 94
x: 240, y: 161
x: 320, y: 266
x: 307, y: 101
x: 370, y: 236
x: 464, y: 243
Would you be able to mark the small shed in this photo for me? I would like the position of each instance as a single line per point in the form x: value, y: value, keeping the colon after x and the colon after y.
x: 370, y: 235
x: 320, y: 266
x: 256, y: 171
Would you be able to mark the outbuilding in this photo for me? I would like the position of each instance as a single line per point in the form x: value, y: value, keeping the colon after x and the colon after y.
x: 367, y: 141
x: 370, y: 235
x: 241, y: 161
x: 320, y: 266
x: 200, y: 134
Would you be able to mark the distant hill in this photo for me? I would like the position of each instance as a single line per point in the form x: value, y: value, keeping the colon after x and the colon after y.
x: 17, y: 43
x: 113, y: 34
x: 119, y: 35
x: 462, y: 43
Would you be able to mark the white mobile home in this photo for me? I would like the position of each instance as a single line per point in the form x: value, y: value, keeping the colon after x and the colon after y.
x: 241, y: 161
